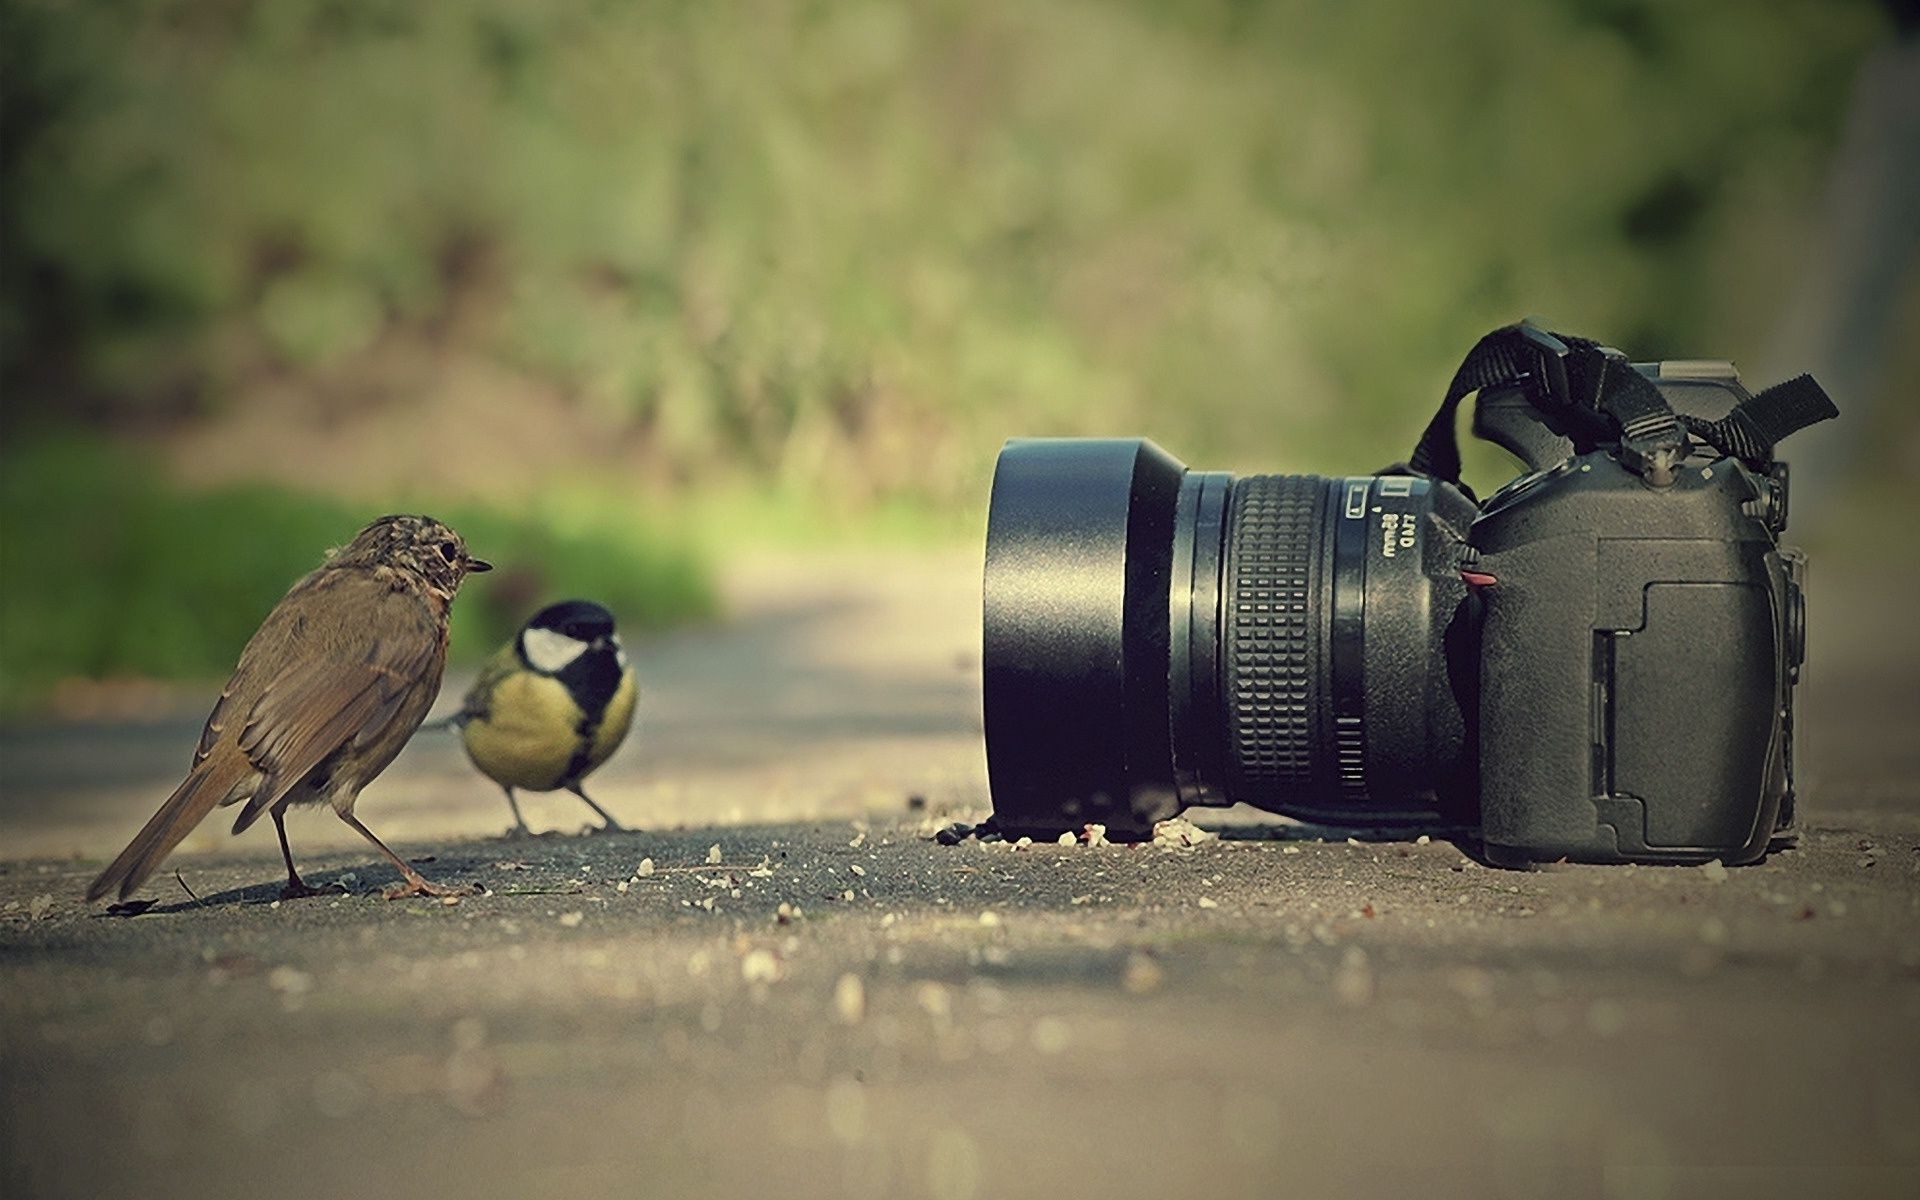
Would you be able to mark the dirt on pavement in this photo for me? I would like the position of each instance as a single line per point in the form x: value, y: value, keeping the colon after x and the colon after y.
x: 840, y: 1006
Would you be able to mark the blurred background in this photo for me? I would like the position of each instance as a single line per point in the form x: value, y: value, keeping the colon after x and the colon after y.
x: 624, y: 290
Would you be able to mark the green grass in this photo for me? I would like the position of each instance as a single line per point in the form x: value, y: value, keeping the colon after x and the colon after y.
x: 111, y: 572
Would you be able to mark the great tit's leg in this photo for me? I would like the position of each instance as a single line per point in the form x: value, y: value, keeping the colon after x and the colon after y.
x: 415, y: 884
x: 296, y: 889
x: 611, y: 826
x: 519, y: 822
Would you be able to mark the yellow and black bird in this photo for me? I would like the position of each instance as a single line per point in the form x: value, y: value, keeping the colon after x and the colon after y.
x: 327, y: 691
x: 551, y: 705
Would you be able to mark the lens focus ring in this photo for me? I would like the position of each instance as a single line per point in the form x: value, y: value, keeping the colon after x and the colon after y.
x: 1272, y: 636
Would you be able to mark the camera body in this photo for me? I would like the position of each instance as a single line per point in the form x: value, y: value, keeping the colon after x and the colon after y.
x: 1596, y: 664
x: 1638, y: 649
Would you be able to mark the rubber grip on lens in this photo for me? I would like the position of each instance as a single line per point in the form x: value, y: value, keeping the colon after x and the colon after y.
x: 1273, y: 636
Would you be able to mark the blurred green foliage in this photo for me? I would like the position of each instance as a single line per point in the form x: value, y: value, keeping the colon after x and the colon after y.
x: 853, y: 243
x: 832, y: 250
x: 110, y: 573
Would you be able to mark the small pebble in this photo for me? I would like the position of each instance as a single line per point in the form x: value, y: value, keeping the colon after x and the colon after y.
x: 645, y: 868
x: 713, y: 854
x: 953, y: 834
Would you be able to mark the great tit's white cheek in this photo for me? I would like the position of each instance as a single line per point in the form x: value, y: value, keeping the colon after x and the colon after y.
x: 549, y: 651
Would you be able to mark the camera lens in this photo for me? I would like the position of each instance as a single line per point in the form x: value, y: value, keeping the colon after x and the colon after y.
x: 1156, y: 637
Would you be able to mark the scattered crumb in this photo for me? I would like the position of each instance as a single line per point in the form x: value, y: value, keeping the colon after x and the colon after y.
x: 1207, y: 902
x: 644, y: 869
x: 571, y: 920
x: 1179, y: 833
x: 1051, y: 1035
x: 1353, y: 982
x: 850, y: 999
x: 713, y: 855
x: 289, y: 981
x: 760, y: 966
x: 1714, y: 870
x: 1142, y: 974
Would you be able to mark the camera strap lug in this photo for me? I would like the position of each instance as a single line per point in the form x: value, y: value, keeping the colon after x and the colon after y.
x: 1582, y: 392
x: 1579, y: 389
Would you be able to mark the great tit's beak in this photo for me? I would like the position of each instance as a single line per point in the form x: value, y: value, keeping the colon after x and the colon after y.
x: 476, y: 565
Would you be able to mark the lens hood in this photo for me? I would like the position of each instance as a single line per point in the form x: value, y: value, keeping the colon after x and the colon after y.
x: 1080, y: 537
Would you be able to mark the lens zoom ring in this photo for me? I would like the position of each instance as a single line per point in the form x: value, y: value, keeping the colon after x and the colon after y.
x: 1272, y: 636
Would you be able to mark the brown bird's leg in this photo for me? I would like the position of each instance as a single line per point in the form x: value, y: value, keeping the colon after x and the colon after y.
x: 519, y: 822
x: 416, y: 885
x: 296, y: 889
x: 611, y: 826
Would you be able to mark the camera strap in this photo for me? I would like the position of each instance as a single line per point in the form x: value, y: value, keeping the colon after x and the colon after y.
x: 1755, y: 426
x: 1592, y: 395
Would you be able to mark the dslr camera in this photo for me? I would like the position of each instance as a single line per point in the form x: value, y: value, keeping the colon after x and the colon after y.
x: 1597, y: 663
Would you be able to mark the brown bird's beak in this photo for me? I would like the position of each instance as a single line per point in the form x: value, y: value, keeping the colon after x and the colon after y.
x: 477, y: 565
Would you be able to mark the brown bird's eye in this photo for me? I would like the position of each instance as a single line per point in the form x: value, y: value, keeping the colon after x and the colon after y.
x: 448, y: 552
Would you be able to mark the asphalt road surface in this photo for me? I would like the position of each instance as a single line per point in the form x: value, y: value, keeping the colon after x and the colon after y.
x: 839, y: 1006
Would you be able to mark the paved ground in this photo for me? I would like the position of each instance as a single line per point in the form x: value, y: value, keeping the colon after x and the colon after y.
x: 1267, y: 1013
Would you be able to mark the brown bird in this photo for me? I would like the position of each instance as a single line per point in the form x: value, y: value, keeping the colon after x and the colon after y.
x: 328, y: 690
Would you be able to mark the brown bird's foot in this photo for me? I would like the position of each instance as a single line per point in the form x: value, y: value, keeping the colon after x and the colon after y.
x: 299, y: 889
x: 416, y: 885
x: 523, y: 834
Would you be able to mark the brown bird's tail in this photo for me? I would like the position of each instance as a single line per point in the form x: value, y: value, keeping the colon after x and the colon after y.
x: 205, y: 786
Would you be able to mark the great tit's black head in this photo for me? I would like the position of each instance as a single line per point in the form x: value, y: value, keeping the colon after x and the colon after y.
x: 418, y: 544
x: 560, y: 633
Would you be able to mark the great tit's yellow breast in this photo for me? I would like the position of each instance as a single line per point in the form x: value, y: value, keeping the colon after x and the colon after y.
x: 530, y: 732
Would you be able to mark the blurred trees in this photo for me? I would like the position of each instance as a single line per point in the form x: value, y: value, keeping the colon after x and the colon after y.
x: 851, y: 244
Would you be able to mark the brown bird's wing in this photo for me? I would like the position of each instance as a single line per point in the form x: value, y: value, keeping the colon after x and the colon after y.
x: 334, y: 660
x: 316, y: 707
